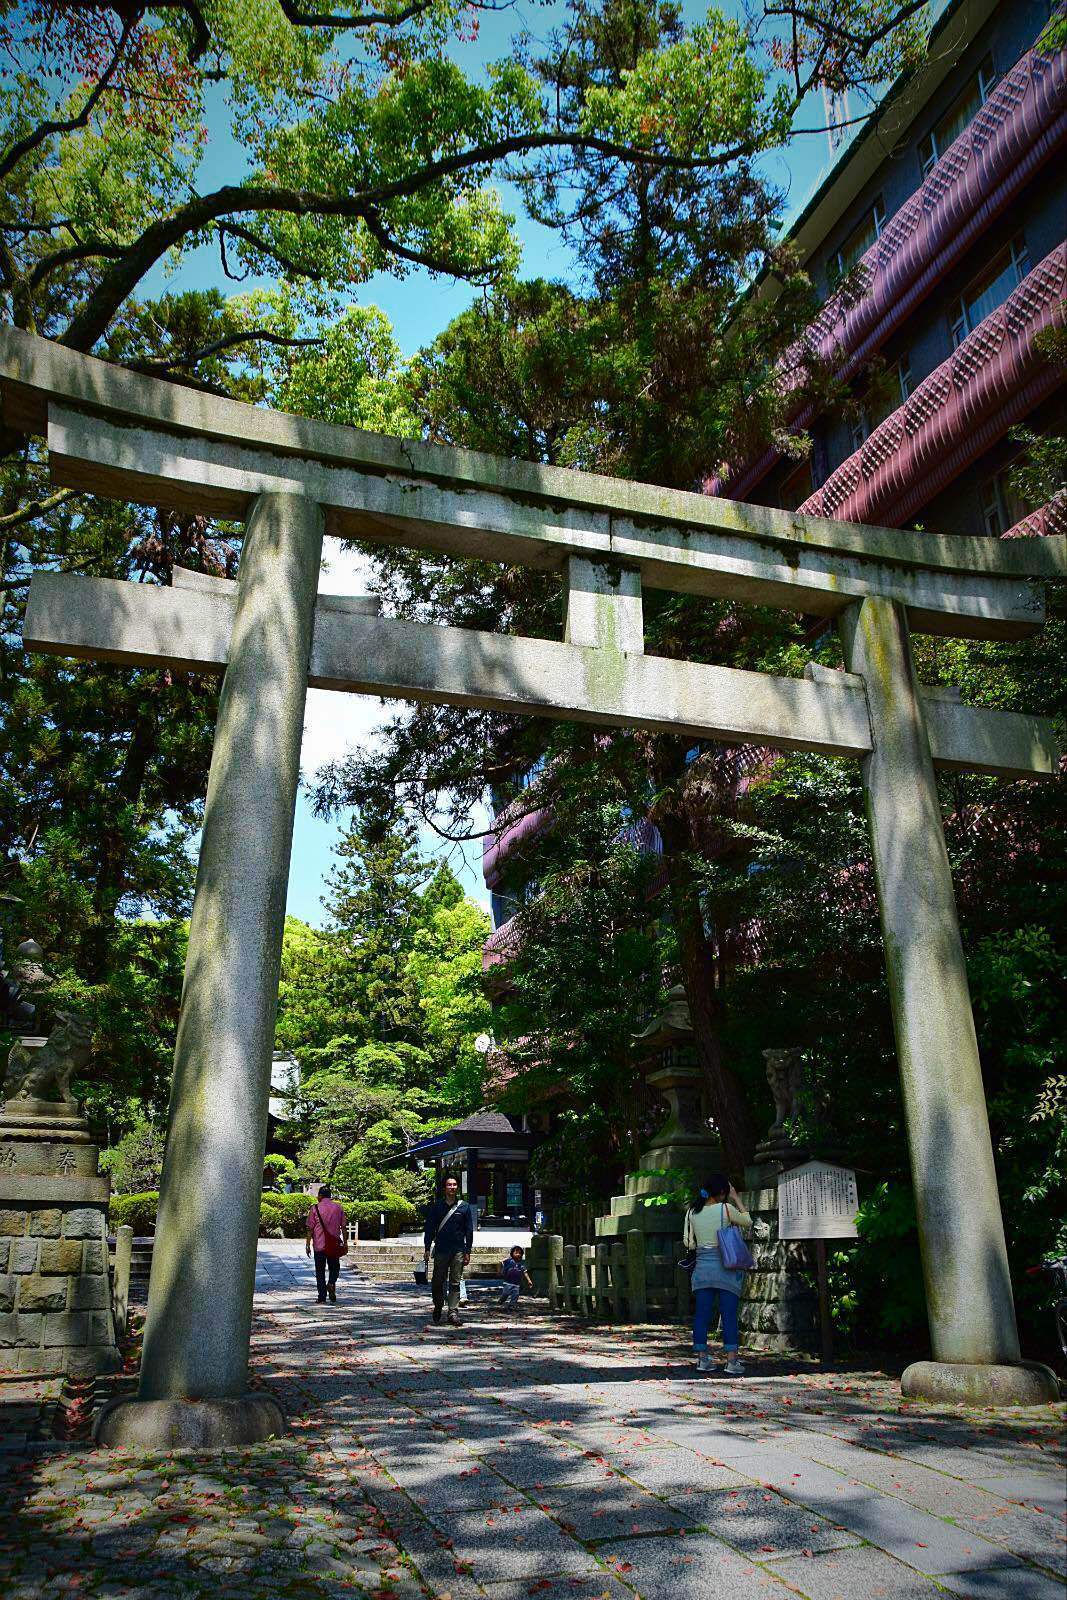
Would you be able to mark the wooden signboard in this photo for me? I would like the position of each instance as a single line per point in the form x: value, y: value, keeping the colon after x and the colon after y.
x: 817, y: 1201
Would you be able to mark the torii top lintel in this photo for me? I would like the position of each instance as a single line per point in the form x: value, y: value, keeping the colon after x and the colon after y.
x: 124, y: 434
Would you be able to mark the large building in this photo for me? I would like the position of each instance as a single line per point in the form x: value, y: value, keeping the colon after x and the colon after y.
x: 937, y: 240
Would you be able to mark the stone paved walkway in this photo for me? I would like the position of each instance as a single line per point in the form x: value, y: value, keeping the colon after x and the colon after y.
x: 521, y: 1457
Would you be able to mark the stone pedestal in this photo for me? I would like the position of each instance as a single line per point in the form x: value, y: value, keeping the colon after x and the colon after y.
x: 683, y: 1146
x: 55, y: 1301
x: 780, y: 1305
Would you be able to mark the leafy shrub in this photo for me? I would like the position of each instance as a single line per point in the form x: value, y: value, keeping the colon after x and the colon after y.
x: 285, y: 1211
x: 886, y: 1270
x: 136, y: 1211
x: 399, y: 1211
x: 136, y: 1162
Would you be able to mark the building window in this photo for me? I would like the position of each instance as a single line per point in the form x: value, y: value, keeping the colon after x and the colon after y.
x: 796, y: 488
x: 990, y: 289
x: 890, y: 392
x: 858, y: 242
x: 1002, y: 506
x: 957, y: 117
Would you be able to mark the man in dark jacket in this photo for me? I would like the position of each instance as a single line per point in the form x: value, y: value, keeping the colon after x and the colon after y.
x: 448, y: 1236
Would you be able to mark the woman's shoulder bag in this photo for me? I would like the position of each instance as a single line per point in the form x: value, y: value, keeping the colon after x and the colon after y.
x: 733, y: 1251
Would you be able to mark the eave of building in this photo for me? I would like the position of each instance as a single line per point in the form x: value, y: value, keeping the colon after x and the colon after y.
x: 888, y: 124
x: 996, y: 377
x: 1020, y: 128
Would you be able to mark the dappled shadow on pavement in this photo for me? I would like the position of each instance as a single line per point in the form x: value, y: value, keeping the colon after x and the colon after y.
x: 524, y: 1456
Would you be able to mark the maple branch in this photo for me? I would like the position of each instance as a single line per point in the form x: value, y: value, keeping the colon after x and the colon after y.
x: 230, y: 342
x: 422, y: 258
x: 298, y: 268
x: 45, y: 130
x: 373, y: 19
x: 235, y: 199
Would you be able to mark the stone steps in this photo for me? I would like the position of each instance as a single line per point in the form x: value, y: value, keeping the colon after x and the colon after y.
x: 386, y: 1264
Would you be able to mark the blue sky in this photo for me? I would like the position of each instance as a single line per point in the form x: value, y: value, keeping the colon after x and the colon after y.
x: 419, y: 307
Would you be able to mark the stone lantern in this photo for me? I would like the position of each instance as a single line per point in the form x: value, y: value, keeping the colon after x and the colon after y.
x: 666, y: 1053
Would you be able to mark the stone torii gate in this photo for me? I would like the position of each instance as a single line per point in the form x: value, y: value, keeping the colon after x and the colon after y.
x: 140, y: 439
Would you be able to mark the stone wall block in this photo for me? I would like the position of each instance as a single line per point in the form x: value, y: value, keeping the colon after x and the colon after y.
x: 24, y: 1255
x: 88, y: 1294
x: 43, y: 1294
x: 94, y: 1256
x: 7, y: 1293
x: 61, y: 1256
x: 82, y: 1223
x: 784, y: 1286
x: 34, y: 1359
x: 66, y: 1327
x: 101, y: 1329
x: 8, y: 1329
x: 28, y: 1328
x: 5, y: 1254
x: 45, y: 1224
x: 12, y: 1223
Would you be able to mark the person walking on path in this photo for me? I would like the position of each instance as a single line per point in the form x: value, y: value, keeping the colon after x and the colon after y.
x: 449, y: 1238
x: 327, y: 1235
x: 716, y: 1206
x: 512, y: 1275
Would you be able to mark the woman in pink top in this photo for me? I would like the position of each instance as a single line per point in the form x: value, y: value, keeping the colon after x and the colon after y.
x: 327, y: 1236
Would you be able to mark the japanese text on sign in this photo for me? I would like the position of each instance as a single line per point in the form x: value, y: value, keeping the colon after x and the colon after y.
x: 817, y: 1201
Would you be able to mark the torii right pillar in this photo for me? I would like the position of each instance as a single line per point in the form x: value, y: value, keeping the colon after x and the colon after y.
x: 969, y: 1300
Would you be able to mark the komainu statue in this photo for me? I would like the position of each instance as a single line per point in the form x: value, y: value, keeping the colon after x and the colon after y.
x: 44, y: 1071
x: 785, y: 1074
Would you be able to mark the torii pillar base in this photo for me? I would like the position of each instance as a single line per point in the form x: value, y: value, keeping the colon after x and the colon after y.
x: 975, y: 1383
x: 188, y: 1424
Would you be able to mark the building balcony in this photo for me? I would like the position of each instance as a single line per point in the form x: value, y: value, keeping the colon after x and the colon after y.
x: 1039, y: 524
x: 517, y: 824
x: 1022, y: 124
x: 996, y: 377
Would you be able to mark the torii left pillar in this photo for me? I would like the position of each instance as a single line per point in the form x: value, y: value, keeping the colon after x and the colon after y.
x: 194, y: 1372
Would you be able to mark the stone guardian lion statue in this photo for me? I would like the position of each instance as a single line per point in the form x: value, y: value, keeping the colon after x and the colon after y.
x: 43, y: 1072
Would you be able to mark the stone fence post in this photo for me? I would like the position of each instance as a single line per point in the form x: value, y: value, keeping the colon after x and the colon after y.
x: 120, y: 1289
x: 555, y: 1265
x: 636, y: 1276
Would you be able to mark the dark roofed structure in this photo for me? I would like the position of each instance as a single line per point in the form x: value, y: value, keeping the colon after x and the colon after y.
x: 489, y: 1156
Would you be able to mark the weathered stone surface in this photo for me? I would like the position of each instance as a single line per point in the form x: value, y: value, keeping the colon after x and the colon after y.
x: 66, y: 1327
x: 101, y: 1330
x: 24, y: 1254
x: 196, y: 1335
x: 88, y: 1294
x: 7, y: 1293
x: 981, y: 1384
x: 13, y: 1223
x: 93, y: 1258
x: 29, y: 1328
x: 42, y: 1294
x: 957, y: 1199
x: 61, y: 1256
x: 45, y: 1224
x: 82, y: 1222
x: 188, y: 1424
x: 776, y: 1286
x: 5, y: 1254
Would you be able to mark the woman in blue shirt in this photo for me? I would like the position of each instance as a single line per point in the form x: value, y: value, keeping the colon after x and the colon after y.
x: 716, y: 1206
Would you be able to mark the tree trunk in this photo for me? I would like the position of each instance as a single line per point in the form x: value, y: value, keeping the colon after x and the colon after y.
x: 705, y: 1002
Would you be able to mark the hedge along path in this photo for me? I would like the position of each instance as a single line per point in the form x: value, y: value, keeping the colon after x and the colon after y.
x: 117, y: 433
